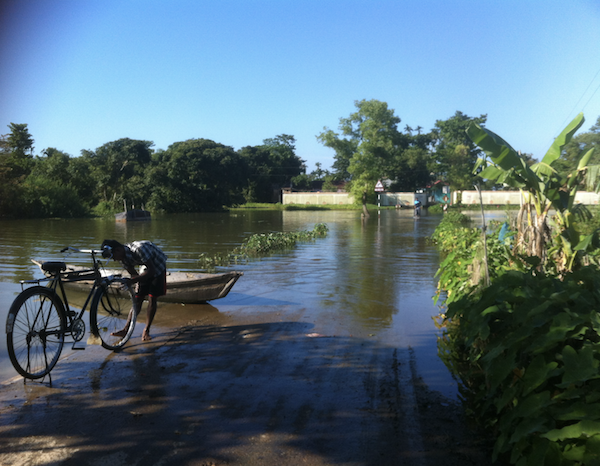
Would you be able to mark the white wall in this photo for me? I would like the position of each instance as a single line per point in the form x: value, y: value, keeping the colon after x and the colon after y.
x: 317, y: 198
x: 514, y: 197
x: 402, y: 198
x: 387, y: 199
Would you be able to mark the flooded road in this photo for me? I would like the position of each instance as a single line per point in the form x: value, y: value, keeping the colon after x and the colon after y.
x: 371, y: 279
x: 324, y: 355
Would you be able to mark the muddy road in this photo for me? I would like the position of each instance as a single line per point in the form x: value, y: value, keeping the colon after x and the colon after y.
x: 265, y: 390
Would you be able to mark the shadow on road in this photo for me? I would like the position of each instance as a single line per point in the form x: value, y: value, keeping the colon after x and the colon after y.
x: 262, y: 393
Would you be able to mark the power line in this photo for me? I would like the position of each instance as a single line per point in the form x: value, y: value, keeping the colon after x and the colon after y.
x: 594, y: 93
x: 582, y: 95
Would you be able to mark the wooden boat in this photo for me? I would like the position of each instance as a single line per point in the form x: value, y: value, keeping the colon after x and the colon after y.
x: 133, y: 215
x: 182, y: 287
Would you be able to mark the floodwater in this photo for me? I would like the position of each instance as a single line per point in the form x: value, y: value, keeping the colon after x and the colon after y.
x: 371, y: 278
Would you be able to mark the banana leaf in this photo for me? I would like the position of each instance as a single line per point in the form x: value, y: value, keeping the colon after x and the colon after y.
x: 562, y: 139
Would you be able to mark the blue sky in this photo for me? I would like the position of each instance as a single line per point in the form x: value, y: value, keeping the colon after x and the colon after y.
x: 82, y: 73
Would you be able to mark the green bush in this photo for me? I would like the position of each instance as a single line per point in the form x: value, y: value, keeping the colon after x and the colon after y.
x: 525, y: 353
x: 49, y: 198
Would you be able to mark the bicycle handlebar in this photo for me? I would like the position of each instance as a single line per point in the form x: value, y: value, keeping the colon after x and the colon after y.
x: 86, y: 251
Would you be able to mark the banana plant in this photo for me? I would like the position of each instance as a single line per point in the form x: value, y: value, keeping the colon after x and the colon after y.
x: 544, y: 190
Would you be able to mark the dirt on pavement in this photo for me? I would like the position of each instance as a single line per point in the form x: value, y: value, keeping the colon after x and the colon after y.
x: 256, y: 390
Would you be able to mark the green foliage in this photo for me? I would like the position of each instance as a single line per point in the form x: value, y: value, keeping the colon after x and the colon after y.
x: 19, y: 145
x: 546, y: 189
x: 202, y: 175
x: 269, y: 167
x: 262, y: 244
x: 265, y: 243
x: 370, y: 147
x: 459, y: 272
x: 105, y: 209
x: 194, y: 176
x: 455, y: 154
x: 329, y: 183
x: 435, y: 209
x: 579, y: 145
x: 117, y: 170
x: 525, y: 352
x: 411, y: 168
x: 51, y: 198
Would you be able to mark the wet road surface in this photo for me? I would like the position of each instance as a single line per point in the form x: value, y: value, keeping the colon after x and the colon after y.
x: 260, y: 390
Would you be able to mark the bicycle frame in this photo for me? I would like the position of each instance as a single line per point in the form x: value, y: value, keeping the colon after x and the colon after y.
x: 40, y: 318
x: 57, y: 279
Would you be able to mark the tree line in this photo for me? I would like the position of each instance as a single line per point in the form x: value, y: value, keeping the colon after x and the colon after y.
x: 190, y: 176
x: 202, y: 175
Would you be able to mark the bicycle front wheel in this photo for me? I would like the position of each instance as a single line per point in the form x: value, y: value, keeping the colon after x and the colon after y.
x: 113, y: 315
x: 35, y: 331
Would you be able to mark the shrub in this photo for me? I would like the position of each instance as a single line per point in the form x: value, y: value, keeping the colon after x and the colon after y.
x: 525, y: 353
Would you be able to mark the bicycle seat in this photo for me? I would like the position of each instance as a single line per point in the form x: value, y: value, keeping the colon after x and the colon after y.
x: 54, y: 267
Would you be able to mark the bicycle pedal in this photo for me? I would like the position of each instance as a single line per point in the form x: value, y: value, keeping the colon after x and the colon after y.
x: 71, y: 313
x: 77, y: 349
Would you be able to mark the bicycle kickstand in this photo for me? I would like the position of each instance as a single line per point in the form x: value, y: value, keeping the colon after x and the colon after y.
x: 77, y: 349
x: 40, y: 381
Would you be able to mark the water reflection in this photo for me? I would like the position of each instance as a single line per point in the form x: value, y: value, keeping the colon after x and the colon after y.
x: 368, y: 278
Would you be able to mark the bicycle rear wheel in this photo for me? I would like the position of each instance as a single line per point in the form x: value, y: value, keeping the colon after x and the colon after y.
x: 112, y: 311
x: 35, y: 331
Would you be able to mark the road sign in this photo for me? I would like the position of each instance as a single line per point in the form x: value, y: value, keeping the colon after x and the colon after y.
x: 379, y: 187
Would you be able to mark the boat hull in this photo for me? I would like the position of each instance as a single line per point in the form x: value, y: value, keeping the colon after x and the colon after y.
x: 199, y: 288
x: 182, y: 287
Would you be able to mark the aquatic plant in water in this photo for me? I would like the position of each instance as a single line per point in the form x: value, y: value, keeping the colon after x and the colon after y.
x: 261, y: 244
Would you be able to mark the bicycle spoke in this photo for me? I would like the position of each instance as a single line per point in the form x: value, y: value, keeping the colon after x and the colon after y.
x: 37, y: 335
x: 110, y: 314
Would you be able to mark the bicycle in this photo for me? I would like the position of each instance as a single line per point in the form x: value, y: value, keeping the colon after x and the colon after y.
x: 40, y: 319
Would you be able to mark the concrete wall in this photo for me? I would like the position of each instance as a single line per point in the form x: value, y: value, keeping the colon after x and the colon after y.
x: 387, y: 199
x: 317, y: 198
x: 490, y: 197
x: 514, y: 197
x: 587, y: 198
x: 402, y: 198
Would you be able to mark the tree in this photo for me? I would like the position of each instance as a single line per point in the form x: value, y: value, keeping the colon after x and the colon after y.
x: 194, y: 176
x: 20, y: 146
x: 118, y: 170
x: 410, y: 167
x: 344, y: 150
x: 80, y: 177
x: 269, y: 167
x: 10, y: 187
x: 319, y: 173
x: 258, y: 185
x: 283, y: 162
x: 454, y: 152
x: 546, y: 190
x: 53, y: 166
x: 370, y: 137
